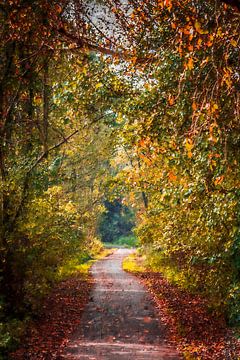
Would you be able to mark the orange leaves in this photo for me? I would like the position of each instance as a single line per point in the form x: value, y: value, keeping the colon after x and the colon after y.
x: 147, y: 319
x: 227, y: 77
x: 180, y: 50
x: 172, y: 177
x: 171, y: 100
x: 199, y: 43
x: 58, y: 8
x: 189, y: 65
x: 213, y: 163
x: 145, y: 159
x: 212, y: 134
x: 219, y: 180
x: 165, y: 3
x: 144, y: 143
x: 189, y: 146
x: 198, y: 28
x: 194, y: 106
x: 143, y: 151
x: 168, y: 4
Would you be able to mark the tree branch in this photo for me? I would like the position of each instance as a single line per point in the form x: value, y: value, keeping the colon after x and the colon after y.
x: 45, y: 153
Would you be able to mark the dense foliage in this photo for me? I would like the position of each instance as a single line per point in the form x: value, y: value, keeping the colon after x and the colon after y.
x: 182, y: 135
x: 150, y: 89
x: 53, y: 162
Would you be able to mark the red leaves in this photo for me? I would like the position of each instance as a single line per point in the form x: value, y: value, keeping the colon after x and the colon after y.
x: 197, y: 333
x: 60, y: 316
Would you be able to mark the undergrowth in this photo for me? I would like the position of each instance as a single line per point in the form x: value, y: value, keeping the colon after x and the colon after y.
x: 191, y: 313
x: 13, y: 327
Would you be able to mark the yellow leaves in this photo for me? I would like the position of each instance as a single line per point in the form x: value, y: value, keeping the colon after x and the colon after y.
x: 37, y: 100
x: 227, y: 77
x: 70, y: 151
x: 199, y: 29
x: 214, y: 107
x: 160, y: 3
x: 234, y: 43
x: 145, y: 159
x: 85, y: 70
x: 69, y: 208
x: 220, y: 33
x: 54, y: 190
x: 147, y: 86
x: 72, y: 46
x: 134, y: 60
x: 189, y: 64
x: 98, y: 85
x: 120, y: 118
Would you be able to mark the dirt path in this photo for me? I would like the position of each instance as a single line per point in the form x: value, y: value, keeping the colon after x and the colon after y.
x: 120, y: 322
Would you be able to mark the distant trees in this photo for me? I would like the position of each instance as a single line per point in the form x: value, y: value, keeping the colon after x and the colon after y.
x: 117, y: 221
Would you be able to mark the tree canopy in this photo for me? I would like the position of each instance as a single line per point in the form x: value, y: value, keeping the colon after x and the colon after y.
x: 103, y: 100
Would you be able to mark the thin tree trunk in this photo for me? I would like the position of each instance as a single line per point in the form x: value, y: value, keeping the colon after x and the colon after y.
x: 46, y: 94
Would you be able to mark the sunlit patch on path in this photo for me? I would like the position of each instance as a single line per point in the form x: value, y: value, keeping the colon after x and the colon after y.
x: 120, y: 321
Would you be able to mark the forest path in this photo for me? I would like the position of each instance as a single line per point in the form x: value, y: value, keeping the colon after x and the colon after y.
x: 120, y: 322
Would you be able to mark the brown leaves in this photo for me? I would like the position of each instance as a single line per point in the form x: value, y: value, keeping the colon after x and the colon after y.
x: 198, y: 334
x: 60, y: 316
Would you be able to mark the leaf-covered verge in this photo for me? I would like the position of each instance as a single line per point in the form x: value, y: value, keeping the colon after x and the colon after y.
x: 47, y: 333
x: 197, y: 332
